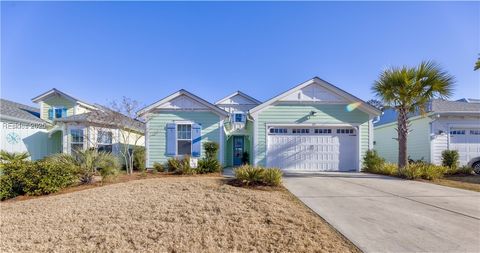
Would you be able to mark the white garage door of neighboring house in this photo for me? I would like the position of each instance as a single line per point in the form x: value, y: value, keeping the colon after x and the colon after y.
x: 312, y: 149
x: 467, y: 142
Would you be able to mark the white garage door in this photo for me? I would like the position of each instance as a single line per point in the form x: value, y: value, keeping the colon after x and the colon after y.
x: 467, y: 142
x: 312, y: 149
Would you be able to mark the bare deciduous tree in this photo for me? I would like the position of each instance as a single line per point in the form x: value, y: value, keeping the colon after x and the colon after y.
x: 121, y: 117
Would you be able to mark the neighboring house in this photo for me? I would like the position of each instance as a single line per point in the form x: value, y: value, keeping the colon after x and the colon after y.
x: 24, y: 131
x: 446, y: 125
x: 68, y: 124
x: 314, y: 126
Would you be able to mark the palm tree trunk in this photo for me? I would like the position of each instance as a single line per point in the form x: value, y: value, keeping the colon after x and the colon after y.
x: 402, y: 130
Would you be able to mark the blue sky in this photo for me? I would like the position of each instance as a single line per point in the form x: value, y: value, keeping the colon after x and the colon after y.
x: 103, y: 51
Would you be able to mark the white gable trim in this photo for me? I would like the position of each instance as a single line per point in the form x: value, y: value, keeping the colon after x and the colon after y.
x: 239, y: 93
x: 53, y: 91
x: 182, y: 92
x: 330, y: 87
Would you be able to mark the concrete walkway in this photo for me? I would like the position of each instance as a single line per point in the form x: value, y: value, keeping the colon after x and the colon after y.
x: 384, y: 214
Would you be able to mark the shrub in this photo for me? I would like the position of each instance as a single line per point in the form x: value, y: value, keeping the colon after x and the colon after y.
x: 157, y: 167
x: 464, y: 170
x: 389, y: 169
x: 108, y: 166
x: 410, y: 160
x: 450, y: 158
x: 372, y: 162
x: 173, y: 164
x: 249, y: 175
x: 47, y: 177
x: 139, y: 158
x: 87, y: 162
x: 180, y: 166
x: 208, y: 165
x: 11, y: 180
x: 211, y: 149
x: 6, y: 156
x: 245, y: 158
x: 423, y: 170
x: 35, y: 178
x: 272, y: 177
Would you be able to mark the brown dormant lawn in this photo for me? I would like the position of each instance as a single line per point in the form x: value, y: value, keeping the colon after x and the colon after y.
x: 185, y: 214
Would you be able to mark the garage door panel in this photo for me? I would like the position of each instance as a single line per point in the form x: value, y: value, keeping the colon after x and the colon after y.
x: 467, y: 142
x: 312, y: 152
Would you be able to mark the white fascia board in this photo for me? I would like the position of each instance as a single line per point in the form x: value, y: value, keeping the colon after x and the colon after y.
x: 255, y: 101
x: 332, y: 88
x: 214, y: 108
x: 312, y: 124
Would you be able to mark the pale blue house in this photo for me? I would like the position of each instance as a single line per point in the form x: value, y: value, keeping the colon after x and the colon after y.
x: 315, y: 126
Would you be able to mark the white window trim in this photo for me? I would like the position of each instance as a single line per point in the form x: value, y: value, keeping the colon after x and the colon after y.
x: 176, y: 136
x: 104, y: 143
x: 53, y: 110
x: 70, y: 138
x: 243, y: 115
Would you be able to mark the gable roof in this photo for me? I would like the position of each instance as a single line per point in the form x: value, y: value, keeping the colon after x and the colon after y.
x: 16, y: 111
x: 239, y: 93
x: 61, y: 93
x: 316, y: 80
x: 177, y: 94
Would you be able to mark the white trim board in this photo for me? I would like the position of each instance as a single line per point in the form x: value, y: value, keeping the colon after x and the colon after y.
x: 239, y: 93
x: 330, y: 87
x: 177, y: 94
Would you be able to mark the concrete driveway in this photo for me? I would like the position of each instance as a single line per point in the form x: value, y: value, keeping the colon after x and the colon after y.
x: 384, y: 214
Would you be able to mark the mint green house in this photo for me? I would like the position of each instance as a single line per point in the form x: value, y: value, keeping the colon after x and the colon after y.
x: 315, y: 126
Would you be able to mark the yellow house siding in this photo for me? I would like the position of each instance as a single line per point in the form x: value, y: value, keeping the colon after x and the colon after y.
x: 56, y: 101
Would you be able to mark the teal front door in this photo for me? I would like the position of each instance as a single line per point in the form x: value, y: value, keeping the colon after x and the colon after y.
x: 237, y: 150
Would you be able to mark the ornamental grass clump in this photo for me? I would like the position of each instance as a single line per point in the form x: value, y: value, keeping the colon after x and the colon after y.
x: 180, y: 166
x: 424, y: 171
x: 250, y: 175
x: 272, y: 176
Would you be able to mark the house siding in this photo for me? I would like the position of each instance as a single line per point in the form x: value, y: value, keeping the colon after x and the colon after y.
x: 418, y: 143
x: 440, y: 141
x: 35, y: 141
x: 56, y: 101
x: 156, y: 133
x: 296, y: 113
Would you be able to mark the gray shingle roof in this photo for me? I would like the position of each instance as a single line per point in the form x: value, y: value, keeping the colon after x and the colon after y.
x: 107, y: 118
x: 440, y: 105
x: 20, y: 111
x: 462, y: 106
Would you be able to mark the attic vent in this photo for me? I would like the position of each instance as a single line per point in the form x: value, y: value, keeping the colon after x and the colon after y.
x: 299, y: 95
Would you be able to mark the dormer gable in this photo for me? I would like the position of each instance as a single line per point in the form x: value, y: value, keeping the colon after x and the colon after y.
x: 57, y: 104
x: 237, y: 102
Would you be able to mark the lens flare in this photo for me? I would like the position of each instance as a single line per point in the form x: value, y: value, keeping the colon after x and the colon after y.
x: 352, y: 106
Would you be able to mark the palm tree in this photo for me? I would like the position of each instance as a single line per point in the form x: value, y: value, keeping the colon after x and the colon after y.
x: 408, y: 90
x: 88, y: 162
x: 477, y: 64
x: 6, y: 156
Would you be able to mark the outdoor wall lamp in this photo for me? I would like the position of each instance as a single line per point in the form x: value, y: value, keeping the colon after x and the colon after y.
x: 312, y: 113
